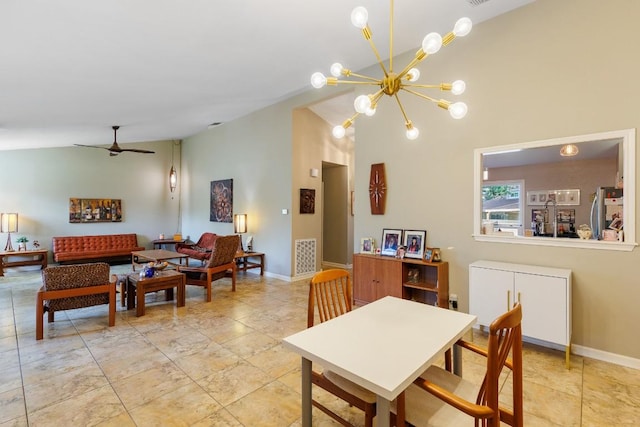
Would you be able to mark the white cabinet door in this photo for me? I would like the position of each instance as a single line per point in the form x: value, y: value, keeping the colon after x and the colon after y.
x: 488, y: 290
x: 544, y: 307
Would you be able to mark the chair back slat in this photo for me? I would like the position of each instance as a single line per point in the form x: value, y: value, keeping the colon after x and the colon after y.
x: 329, y: 292
x: 505, y: 338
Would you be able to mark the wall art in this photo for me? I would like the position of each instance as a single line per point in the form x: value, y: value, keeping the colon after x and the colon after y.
x: 94, y: 210
x: 307, y: 201
x: 221, y: 209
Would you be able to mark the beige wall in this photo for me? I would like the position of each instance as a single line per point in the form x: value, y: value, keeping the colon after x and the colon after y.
x: 543, y: 71
x: 37, y: 184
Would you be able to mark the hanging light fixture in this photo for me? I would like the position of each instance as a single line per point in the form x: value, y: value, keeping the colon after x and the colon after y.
x: 569, y: 150
x: 393, y: 82
x: 173, y: 175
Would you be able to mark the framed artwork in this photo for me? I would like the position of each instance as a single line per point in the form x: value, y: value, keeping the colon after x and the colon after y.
x: 414, y: 242
x: 428, y: 254
x: 435, y: 256
x: 221, y: 209
x: 566, y: 216
x: 307, y: 201
x: 94, y: 210
x: 391, y: 238
x: 562, y: 197
x: 540, y: 215
x: 367, y: 245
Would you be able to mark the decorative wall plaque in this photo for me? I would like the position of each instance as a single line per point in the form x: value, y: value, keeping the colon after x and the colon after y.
x: 377, y: 189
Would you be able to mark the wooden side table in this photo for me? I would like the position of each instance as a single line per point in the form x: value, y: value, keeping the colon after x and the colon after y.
x: 37, y: 257
x: 244, y: 263
x: 166, y: 280
x: 162, y: 243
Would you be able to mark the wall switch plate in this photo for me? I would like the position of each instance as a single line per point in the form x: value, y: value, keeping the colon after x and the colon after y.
x: 285, y: 211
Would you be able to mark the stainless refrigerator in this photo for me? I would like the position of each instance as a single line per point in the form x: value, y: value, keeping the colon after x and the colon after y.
x: 606, y: 211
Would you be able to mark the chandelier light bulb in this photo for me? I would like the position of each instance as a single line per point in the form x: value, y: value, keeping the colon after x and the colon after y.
x: 338, y: 132
x: 458, y: 110
x: 413, y: 74
x: 462, y: 27
x: 412, y: 133
x: 318, y: 80
x: 458, y: 87
x: 432, y: 43
x: 359, y: 17
x: 336, y: 69
x: 362, y: 103
x: 370, y: 112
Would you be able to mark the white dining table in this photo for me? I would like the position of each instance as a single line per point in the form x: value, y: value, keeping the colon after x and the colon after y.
x: 383, y: 346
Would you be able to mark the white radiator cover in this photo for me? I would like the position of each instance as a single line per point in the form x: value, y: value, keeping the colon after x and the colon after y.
x: 305, y: 256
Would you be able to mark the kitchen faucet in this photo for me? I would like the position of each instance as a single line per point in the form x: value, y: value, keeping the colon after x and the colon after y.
x: 555, y: 218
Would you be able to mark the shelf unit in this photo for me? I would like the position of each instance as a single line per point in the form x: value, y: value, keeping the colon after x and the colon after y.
x: 376, y: 276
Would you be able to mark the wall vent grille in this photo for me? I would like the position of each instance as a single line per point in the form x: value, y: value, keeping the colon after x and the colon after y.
x: 305, y: 256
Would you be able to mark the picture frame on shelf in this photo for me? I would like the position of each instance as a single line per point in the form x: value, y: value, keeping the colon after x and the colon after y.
x: 436, y: 257
x: 428, y: 254
x: 414, y: 243
x: 367, y: 245
x: 391, y: 239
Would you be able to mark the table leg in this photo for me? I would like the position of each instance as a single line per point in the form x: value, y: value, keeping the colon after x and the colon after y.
x: 306, y: 392
x: 383, y: 411
x: 181, y: 291
x: 168, y: 294
x: 140, y: 293
x: 1, y: 266
x: 457, y: 360
x: 131, y: 295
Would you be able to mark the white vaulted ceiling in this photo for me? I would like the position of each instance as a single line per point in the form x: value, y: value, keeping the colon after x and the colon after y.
x: 166, y: 69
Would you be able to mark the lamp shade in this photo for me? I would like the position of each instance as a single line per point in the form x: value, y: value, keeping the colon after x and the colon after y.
x: 240, y: 223
x: 9, y: 223
x: 173, y: 179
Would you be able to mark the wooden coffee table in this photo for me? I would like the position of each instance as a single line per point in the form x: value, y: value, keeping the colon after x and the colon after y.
x: 165, y: 280
x: 156, y: 255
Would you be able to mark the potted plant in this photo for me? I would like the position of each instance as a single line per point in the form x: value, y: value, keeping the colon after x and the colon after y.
x: 22, y: 243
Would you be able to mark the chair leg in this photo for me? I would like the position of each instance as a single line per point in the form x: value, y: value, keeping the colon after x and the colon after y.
x: 112, y: 304
x: 51, y: 316
x: 39, y: 316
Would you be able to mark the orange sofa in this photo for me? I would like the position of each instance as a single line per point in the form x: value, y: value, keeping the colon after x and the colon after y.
x: 69, y: 249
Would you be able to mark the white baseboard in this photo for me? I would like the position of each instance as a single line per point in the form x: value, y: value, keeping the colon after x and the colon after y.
x: 605, y: 356
x: 337, y: 265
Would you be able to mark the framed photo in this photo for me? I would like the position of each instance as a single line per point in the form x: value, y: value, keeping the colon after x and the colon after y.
x: 367, y: 245
x: 414, y: 241
x: 436, y: 255
x: 391, y: 238
x: 428, y: 254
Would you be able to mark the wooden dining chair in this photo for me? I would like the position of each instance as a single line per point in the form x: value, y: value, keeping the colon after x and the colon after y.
x: 439, y: 397
x: 330, y: 293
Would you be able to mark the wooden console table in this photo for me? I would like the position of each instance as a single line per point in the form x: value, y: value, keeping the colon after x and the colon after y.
x: 37, y: 257
x: 244, y: 264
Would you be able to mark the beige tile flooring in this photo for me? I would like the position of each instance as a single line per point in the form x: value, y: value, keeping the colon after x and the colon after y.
x: 222, y: 364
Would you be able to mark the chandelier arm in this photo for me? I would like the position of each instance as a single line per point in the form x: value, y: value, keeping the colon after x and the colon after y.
x: 406, y: 119
x: 362, y: 76
x: 391, y: 38
x: 421, y: 95
x: 355, y: 82
x: 420, y: 56
x: 441, y: 86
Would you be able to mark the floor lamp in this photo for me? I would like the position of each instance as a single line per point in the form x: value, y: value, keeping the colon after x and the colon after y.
x: 9, y: 224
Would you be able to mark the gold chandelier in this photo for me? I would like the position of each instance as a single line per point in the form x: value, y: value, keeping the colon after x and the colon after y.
x: 393, y: 82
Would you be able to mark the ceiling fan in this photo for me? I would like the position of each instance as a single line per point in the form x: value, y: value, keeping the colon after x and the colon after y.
x: 115, y: 149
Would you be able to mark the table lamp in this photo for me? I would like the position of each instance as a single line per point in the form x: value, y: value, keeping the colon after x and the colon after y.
x: 240, y: 225
x: 9, y: 224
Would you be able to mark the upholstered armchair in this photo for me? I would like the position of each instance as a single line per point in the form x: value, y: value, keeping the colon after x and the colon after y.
x: 67, y: 287
x: 201, y: 249
x: 221, y: 262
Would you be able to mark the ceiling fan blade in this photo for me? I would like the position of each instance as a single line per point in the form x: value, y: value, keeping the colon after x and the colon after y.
x: 90, y: 146
x: 134, y: 150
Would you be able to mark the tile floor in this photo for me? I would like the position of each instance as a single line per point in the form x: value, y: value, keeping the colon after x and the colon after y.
x: 222, y: 364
